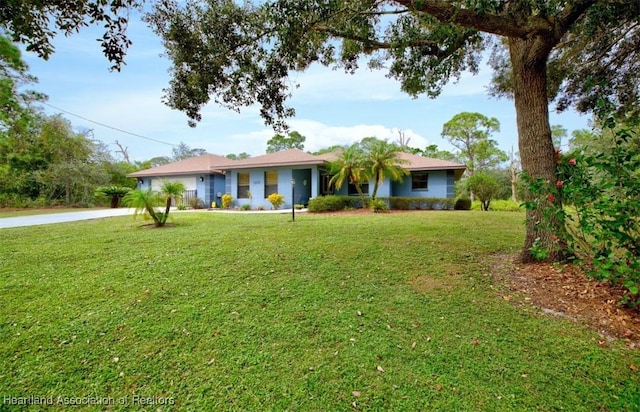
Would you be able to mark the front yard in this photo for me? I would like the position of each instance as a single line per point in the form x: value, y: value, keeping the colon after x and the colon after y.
x: 252, y: 312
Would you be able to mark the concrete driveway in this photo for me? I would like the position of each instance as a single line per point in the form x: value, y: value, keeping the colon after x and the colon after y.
x: 50, y: 218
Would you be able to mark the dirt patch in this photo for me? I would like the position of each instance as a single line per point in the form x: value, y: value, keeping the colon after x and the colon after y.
x: 565, y: 290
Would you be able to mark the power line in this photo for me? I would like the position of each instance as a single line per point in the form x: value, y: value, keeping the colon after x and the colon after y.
x: 110, y: 127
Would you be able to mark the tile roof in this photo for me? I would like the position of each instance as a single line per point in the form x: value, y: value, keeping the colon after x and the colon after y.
x: 291, y: 157
x: 207, y: 163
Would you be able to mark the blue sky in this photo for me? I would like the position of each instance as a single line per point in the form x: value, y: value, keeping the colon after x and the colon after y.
x: 331, y: 107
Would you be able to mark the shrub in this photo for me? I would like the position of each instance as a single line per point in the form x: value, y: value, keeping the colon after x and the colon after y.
x: 298, y: 206
x: 378, y: 206
x: 245, y: 207
x: 333, y: 203
x: 114, y: 193
x: 196, y: 203
x: 596, y: 194
x: 462, y: 203
x: 227, y: 199
x: 276, y: 200
x: 500, y: 205
x: 181, y: 207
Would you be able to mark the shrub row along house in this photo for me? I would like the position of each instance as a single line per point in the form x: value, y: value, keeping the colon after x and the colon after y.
x: 250, y: 181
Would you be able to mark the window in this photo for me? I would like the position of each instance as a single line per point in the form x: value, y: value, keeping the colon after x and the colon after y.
x: 419, y: 181
x: 325, y: 187
x: 270, y: 183
x: 351, y: 190
x: 243, y: 185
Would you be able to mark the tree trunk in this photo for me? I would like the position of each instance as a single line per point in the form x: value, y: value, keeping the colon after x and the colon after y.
x: 537, y: 154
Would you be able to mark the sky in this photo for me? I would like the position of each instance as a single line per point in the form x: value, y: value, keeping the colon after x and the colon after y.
x: 332, y: 108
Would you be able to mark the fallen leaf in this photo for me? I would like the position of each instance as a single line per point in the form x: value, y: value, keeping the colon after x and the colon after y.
x: 602, y: 342
x: 438, y: 388
x: 413, y: 345
x: 356, y: 393
x: 379, y: 368
x: 633, y: 368
x: 211, y: 361
x: 475, y: 342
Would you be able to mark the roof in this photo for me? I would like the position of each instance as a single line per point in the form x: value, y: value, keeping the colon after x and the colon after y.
x: 207, y: 163
x: 210, y: 163
x: 291, y: 157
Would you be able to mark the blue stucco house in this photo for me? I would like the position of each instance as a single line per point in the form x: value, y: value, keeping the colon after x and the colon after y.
x: 250, y: 181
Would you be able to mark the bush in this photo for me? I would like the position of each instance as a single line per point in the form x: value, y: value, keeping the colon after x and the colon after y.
x: 196, y: 203
x: 378, y: 206
x: 462, y: 203
x: 501, y: 205
x: 276, y: 200
x: 227, y: 199
x: 181, y: 207
x: 332, y: 203
x: 245, y: 207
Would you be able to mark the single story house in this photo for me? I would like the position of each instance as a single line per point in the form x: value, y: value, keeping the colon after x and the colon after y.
x: 293, y: 172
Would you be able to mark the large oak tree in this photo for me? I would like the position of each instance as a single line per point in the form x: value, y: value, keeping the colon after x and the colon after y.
x: 239, y: 55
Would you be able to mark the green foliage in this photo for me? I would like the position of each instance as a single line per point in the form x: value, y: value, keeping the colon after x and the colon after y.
x: 420, y: 203
x: 333, y: 203
x: 182, y: 207
x: 470, y: 133
x: 378, y: 206
x: 182, y: 151
x: 196, y: 203
x: 279, y: 143
x: 601, y: 197
x: 115, y: 193
x: 227, y: 200
x: 245, y: 207
x: 276, y: 200
x: 463, y: 203
x: 382, y: 159
x: 500, y: 205
x: 484, y: 187
x: 35, y: 24
x: 144, y: 202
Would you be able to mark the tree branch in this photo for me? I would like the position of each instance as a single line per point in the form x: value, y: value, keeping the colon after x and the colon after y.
x: 446, y: 12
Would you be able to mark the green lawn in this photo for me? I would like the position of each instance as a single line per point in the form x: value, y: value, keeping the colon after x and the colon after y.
x: 253, y: 312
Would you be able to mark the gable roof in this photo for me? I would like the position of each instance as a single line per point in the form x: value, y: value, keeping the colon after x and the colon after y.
x: 416, y: 163
x: 291, y: 157
x: 207, y: 163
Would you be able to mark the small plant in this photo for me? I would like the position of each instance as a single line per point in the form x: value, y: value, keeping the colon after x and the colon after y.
x: 227, y: 199
x: 182, y: 207
x: 378, y: 206
x: 196, y: 203
x: 245, y: 207
x: 462, y: 203
x: 298, y: 206
x: 538, y: 251
x: 115, y: 193
x: 260, y: 207
x: 276, y: 199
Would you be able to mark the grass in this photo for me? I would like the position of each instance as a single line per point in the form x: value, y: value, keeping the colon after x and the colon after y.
x: 253, y: 312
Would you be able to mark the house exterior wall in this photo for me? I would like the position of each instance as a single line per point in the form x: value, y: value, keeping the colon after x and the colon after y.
x: 438, y: 186
x: 188, y: 181
x: 306, y: 184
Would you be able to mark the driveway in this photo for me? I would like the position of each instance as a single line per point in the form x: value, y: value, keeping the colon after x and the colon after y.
x: 50, y: 218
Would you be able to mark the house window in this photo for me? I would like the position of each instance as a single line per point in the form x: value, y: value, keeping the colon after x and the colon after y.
x: 270, y: 183
x: 326, y: 188
x: 419, y: 181
x: 351, y: 190
x: 243, y: 185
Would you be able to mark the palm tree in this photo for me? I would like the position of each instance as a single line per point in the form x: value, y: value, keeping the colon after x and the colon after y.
x: 144, y: 201
x: 383, y: 161
x: 349, y: 167
x: 172, y: 190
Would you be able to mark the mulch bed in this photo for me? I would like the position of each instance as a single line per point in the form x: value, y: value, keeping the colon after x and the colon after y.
x: 565, y: 290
